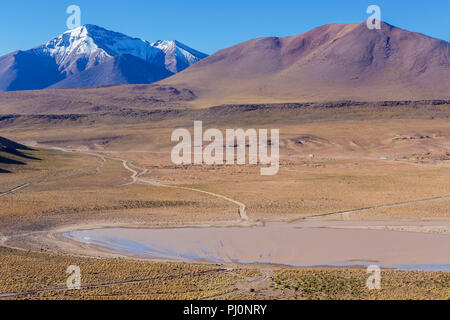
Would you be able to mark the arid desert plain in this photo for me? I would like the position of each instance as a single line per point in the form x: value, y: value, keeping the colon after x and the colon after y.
x: 359, y: 184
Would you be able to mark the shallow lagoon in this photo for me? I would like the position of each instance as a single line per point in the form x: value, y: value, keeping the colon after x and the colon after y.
x: 277, y: 243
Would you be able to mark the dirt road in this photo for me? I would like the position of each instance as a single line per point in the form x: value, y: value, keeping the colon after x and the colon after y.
x: 23, y: 186
x: 135, y: 178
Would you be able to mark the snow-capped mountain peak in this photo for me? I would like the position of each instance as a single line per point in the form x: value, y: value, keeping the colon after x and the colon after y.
x: 95, y: 50
x: 177, y: 55
x: 90, y: 41
x: 89, y: 45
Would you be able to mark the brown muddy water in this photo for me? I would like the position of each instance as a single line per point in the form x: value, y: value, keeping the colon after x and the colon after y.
x: 278, y: 243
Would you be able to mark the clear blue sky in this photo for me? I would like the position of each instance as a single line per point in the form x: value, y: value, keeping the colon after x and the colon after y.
x: 209, y: 25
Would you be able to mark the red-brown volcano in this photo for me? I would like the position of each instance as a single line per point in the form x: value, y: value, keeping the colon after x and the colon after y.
x: 331, y: 62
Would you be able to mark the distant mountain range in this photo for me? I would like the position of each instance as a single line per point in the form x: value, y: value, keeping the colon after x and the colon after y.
x: 329, y: 63
x: 91, y: 56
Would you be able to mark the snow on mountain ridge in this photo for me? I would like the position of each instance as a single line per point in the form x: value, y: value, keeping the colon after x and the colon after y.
x: 90, y: 56
x: 177, y: 55
x: 94, y: 45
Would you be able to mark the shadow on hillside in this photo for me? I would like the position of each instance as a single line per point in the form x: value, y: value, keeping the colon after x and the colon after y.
x: 10, y: 161
x: 13, y: 145
x: 18, y: 153
x: 15, y: 149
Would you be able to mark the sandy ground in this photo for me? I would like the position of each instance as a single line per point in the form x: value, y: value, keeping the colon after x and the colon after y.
x: 127, y: 181
x: 352, y: 243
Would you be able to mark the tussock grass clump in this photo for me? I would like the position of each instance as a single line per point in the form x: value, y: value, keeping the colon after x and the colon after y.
x: 345, y: 283
x: 34, y: 275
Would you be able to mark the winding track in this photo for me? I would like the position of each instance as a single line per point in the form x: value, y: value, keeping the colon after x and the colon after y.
x: 241, y: 207
x: 136, y: 179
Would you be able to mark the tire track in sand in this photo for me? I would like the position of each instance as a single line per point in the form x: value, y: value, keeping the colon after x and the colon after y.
x: 135, y: 179
x: 22, y: 186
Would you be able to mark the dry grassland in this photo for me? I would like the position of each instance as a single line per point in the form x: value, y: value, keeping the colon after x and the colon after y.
x: 29, y: 275
x: 345, y: 174
x: 349, y: 283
